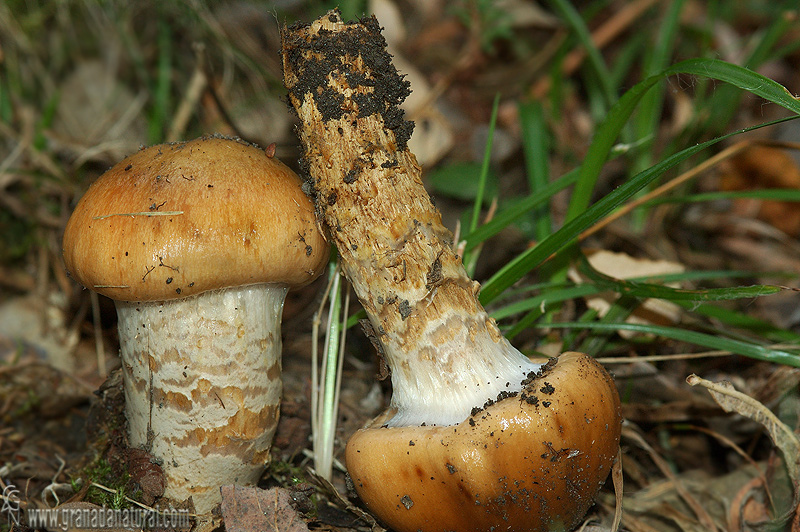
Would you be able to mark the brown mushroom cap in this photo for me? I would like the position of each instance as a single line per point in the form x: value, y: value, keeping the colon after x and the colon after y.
x: 179, y: 219
x: 530, y: 462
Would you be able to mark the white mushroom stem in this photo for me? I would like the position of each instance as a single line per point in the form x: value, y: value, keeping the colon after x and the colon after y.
x: 446, y: 355
x: 202, y: 379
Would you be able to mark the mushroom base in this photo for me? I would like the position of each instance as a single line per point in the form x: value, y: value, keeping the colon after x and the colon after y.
x: 529, y: 462
x: 202, y: 379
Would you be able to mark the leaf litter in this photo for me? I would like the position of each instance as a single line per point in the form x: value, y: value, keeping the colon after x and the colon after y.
x: 689, y: 462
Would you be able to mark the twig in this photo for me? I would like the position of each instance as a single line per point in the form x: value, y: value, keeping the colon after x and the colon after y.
x: 24, y: 142
x: 600, y: 37
x: 194, y: 91
x: 153, y: 213
x: 706, y: 520
x: 53, y: 486
x: 661, y: 358
x: 727, y: 153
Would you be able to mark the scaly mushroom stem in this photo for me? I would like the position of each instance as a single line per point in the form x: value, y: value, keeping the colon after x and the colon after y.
x: 202, y: 380
x: 446, y: 355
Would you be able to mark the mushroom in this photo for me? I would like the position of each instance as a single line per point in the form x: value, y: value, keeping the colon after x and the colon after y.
x: 477, y: 436
x: 197, y: 243
x: 529, y: 460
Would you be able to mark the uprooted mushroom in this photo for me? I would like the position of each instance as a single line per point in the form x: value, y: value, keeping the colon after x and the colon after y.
x: 198, y: 242
x: 477, y: 436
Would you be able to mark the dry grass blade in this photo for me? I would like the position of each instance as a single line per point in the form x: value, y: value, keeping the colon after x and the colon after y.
x: 709, y: 163
x: 152, y: 213
x: 192, y: 94
x: 741, y: 452
x: 663, y: 358
x: 606, y: 33
x: 617, y: 478
x: 98, y: 335
x: 699, y: 510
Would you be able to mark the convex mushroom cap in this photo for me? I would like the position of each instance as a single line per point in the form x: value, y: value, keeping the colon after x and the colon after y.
x: 532, y: 460
x: 179, y: 219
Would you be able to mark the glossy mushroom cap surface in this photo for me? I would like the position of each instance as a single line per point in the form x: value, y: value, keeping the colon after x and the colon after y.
x: 529, y: 462
x: 178, y: 219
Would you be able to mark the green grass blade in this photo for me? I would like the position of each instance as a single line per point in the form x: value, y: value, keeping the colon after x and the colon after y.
x: 595, y: 59
x: 767, y: 41
x: 508, y: 216
x: 642, y: 290
x: 326, y: 395
x: 618, y: 115
x: 733, y: 319
x: 650, y: 109
x: 536, y: 148
x: 460, y: 181
x: 487, y: 159
x: 470, y: 258
x: 46, y: 121
x: 709, y: 341
x: 706, y: 275
x: 579, y: 216
x: 552, y: 294
x: 724, y: 103
x: 549, y: 297
x: 774, y: 194
x: 516, y: 268
x: 618, y: 312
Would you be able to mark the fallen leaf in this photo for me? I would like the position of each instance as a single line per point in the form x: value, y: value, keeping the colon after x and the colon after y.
x: 764, y: 167
x: 732, y: 400
x: 38, y: 324
x: 99, y: 118
x: 145, y: 473
x: 246, y: 509
x: 623, y: 266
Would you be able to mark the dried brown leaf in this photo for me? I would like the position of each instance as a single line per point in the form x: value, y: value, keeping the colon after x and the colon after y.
x: 247, y: 509
x: 764, y: 167
x: 624, y: 266
x: 701, y: 514
x: 732, y: 400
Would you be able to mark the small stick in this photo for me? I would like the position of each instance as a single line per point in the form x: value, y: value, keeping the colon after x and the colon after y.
x: 146, y: 213
x: 194, y: 91
x: 602, y: 36
x: 727, y: 153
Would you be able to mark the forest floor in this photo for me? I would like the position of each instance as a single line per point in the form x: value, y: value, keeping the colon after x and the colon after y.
x: 83, y: 84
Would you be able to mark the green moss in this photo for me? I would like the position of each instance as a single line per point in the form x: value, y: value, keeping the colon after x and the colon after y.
x: 291, y: 476
x: 101, y: 472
